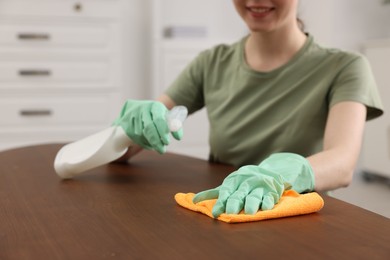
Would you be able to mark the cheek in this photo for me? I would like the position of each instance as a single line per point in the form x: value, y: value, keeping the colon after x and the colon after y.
x: 291, y: 8
x: 287, y: 14
x: 240, y: 8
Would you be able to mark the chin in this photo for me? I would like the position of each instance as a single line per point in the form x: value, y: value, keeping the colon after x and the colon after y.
x: 260, y: 30
x: 265, y: 28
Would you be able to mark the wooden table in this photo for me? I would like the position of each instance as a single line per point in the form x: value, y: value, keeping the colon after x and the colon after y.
x: 127, y: 211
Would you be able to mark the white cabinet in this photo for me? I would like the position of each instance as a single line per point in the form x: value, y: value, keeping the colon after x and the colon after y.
x: 376, y: 148
x: 61, y: 65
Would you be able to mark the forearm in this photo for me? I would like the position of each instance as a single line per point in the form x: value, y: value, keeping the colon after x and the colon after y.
x: 332, y: 169
x: 167, y: 101
x: 334, y: 166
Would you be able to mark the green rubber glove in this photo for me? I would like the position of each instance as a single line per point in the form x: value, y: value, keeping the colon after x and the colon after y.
x: 145, y: 124
x: 260, y: 187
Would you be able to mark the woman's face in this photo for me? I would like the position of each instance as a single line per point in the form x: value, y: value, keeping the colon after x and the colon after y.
x: 267, y: 15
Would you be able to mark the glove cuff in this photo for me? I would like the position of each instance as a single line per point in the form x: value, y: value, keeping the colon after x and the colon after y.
x: 295, y: 170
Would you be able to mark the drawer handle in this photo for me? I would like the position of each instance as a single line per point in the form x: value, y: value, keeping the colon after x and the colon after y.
x: 34, y: 36
x: 78, y: 7
x: 34, y: 72
x: 36, y: 112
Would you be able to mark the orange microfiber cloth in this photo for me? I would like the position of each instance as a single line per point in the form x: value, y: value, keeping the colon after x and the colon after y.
x: 290, y: 204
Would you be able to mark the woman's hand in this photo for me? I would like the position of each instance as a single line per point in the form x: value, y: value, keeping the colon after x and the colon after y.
x: 255, y: 187
x: 145, y: 123
x: 249, y: 188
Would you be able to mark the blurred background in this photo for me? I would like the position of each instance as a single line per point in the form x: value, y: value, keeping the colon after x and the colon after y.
x: 67, y: 66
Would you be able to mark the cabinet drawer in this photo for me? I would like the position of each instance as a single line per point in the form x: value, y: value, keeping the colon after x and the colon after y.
x: 30, y: 72
x: 53, y: 35
x: 49, y: 111
x: 61, y: 8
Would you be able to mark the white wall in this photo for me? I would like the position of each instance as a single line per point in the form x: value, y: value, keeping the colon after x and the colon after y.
x: 137, y: 47
x: 346, y: 24
x: 218, y: 16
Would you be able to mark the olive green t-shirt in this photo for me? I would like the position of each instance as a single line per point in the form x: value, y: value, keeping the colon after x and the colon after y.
x: 254, y: 114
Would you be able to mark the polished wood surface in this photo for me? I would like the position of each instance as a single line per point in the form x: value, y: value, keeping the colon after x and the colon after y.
x: 127, y: 211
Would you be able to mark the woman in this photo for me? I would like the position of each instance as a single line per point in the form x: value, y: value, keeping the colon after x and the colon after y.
x: 274, y: 98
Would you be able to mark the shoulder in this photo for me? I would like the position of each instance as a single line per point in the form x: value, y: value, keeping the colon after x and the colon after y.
x: 334, y: 60
x: 336, y: 55
x: 222, y: 52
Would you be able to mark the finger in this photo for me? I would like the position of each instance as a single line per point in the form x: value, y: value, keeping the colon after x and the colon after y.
x: 206, y: 195
x: 269, y: 201
x: 153, y: 138
x: 253, y: 201
x: 161, y: 149
x: 150, y: 132
x: 162, y: 130
x: 178, y: 135
x: 134, y: 128
x: 235, y: 202
x: 218, y: 209
x: 220, y: 204
x: 228, y: 187
x: 158, y: 113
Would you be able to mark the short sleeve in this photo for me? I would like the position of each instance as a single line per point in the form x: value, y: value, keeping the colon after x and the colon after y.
x: 187, y: 88
x: 355, y: 82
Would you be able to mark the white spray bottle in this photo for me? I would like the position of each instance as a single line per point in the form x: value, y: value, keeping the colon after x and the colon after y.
x: 103, y: 147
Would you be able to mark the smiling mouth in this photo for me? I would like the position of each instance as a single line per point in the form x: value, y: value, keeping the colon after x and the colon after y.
x: 260, y: 10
